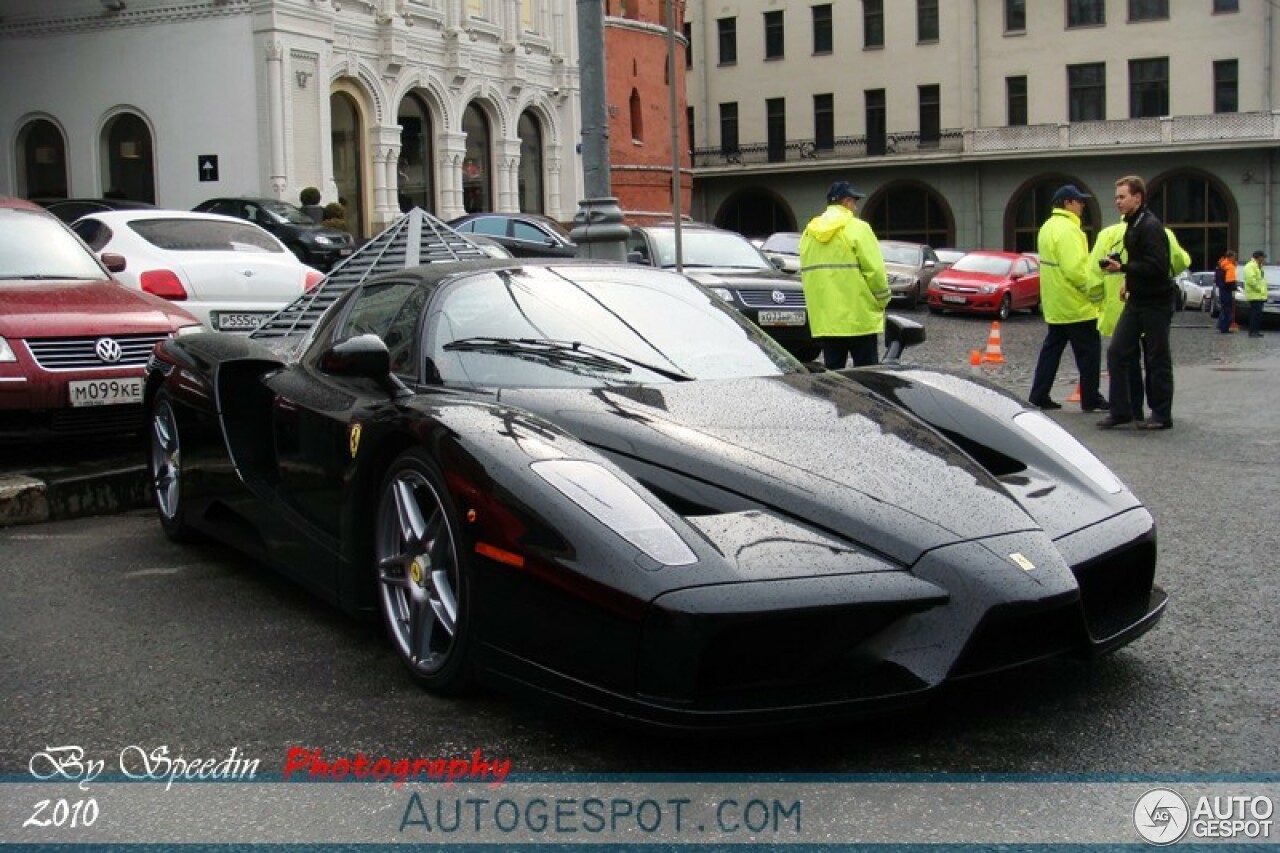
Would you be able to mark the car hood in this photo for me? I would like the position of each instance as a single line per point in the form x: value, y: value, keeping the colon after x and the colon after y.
x: 818, y: 449
x: 721, y: 277
x: 68, y: 308
x: 909, y: 269
x: 963, y: 278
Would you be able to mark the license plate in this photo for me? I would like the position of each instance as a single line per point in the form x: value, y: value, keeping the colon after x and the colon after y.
x: 344, y: 252
x: 955, y: 298
x: 105, y: 392
x: 238, y: 322
x: 781, y: 318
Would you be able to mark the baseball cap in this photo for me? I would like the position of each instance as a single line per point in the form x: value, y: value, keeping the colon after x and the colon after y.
x: 1259, y: 254
x: 841, y: 190
x: 1069, y: 192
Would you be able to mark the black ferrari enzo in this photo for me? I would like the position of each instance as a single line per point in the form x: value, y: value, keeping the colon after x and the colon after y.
x: 599, y: 482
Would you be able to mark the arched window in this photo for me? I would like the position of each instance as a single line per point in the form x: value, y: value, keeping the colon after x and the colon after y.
x: 1200, y: 211
x: 637, y: 118
x: 128, y: 159
x: 348, y: 158
x: 912, y: 212
x: 530, y: 164
x: 755, y: 212
x: 477, y: 195
x: 42, y: 151
x: 1032, y: 205
x: 416, y: 170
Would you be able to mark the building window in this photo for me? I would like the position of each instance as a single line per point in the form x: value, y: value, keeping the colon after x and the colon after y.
x: 688, y: 120
x: 1148, y: 88
x: 873, y: 23
x: 909, y: 211
x: 1086, y: 13
x: 930, y: 116
x: 688, y: 45
x: 42, y: 151
x: 1197, y: 210
x: 824, y: 122
x: 1226, y: 86
x: 877, y: 131
x: 729, y: 128
x: 637, y: 117
x: 416, y: 166
x: 477, y: 165
x: 728, y: 29
x: 774, y: 47
x: 129, y: 156
x: 1087, y: 92
x: 775, y: 110
x: 530, y: 178
x: 1220, y: 6
x: 926, y: 20
x: 1015, y: 95
x: 1148, y: 10
x: 822, y: 39
x: 1015, y: 16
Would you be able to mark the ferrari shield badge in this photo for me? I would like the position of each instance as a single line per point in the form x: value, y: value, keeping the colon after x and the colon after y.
x: 355, y: 439
x: 1021, y: 561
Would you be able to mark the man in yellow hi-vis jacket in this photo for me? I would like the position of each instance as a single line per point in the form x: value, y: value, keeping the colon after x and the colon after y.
x: 845, y: 285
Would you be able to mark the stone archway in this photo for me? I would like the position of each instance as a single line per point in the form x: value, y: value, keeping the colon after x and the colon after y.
x: 755, y: 212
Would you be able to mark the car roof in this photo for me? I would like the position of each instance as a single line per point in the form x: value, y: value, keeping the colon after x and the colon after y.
x: 118, y: 216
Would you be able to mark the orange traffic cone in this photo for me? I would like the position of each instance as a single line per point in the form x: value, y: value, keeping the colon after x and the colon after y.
x: 993, y: 354
x: 1075, y: 395
x: 975, y: 358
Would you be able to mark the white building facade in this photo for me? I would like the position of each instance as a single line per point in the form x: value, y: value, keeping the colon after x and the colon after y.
x: 448, y: 105
x: 959, y: 118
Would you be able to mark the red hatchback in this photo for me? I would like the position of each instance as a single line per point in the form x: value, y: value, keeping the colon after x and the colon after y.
x: 987, y: 283
x: 73, y: 342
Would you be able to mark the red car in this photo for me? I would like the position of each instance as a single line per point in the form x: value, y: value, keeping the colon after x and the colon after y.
x: 73, y: 342
x: 987, y: 283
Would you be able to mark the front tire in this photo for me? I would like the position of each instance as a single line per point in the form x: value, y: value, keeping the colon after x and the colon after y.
x: 164, y: 467
x: 421, y: 572
x: 1006, y: 307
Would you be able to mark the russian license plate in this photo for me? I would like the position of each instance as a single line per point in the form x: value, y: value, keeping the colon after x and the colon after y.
x: 344, y: 252
x: 225, y: 321
x: 781, y: 318
x: 954, y: 298
x: 105, y: 392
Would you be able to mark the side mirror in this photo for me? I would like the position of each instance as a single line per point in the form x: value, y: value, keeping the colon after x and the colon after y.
x: 634, y: 257
x: 113, y: 262
x: 930, y: 264
x: 778, y: 263
x: 900, y: 333
x: 363, y: 357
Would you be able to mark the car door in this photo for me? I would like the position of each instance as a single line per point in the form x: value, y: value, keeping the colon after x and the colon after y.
x: 1027, y: 286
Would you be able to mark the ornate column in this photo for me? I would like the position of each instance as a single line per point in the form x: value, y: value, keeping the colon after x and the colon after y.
x: 508, y: 177
x: 451, y: 150
x: 384, y: 145
x: 275, y: 116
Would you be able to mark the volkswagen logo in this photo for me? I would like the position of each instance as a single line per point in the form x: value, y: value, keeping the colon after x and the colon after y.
x: 778, y: 297
x: 108, y: 350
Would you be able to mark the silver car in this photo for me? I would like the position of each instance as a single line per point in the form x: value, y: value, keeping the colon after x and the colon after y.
x: 910, y: 267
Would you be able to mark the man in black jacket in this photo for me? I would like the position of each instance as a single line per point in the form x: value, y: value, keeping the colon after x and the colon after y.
x: 1148, y: 309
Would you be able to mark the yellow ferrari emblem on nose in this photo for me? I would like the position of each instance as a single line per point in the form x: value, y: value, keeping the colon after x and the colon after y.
x: 1022, y: 562
x: 355, y: 439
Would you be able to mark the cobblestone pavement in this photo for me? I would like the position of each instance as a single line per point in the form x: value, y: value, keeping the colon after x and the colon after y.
x: 952, y: 337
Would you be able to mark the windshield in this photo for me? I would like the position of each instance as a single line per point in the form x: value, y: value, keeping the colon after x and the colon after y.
x: 282, y: 211
x: 988, y: 264
x: 703, y: 248
x: 787, y: 242
x: 35, y: 246
x: 556, y: 327
x: 896, y: 253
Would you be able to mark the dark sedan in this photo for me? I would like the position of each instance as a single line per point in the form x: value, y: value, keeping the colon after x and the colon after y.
x: 316, y: 245
x: 524, y: 235
x: 737, y: 272
x: 599, y: 483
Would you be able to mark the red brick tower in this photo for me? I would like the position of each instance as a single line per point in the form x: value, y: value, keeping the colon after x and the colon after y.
x: 639, y: 99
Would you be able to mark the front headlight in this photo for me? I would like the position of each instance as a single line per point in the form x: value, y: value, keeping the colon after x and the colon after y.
x: 614, y: 504
x: 723, y: 292
x: 322, y: 240
x: 988, y: 288
x: 6, y: 351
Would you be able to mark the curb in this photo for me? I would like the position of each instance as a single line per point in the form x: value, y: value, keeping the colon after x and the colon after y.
x: 30, y: 499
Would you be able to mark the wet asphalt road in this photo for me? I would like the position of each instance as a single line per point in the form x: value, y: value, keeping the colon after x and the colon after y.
x: 111, y: 636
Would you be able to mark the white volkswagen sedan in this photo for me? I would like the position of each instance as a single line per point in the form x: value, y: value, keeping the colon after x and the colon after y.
x: 230, y: 273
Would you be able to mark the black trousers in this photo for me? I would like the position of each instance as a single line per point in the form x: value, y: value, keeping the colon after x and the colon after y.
x: 1142, y: 325
x: 863, y: 349
x: 1086, y: 346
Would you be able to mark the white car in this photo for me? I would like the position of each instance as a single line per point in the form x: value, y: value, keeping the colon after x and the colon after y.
x: 229, y: 273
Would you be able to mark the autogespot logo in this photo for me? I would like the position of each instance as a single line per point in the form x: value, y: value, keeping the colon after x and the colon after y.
x: 1161, y: 816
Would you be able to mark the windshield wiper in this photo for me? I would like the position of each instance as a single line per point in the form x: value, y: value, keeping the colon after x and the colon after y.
x: 569, y: 352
